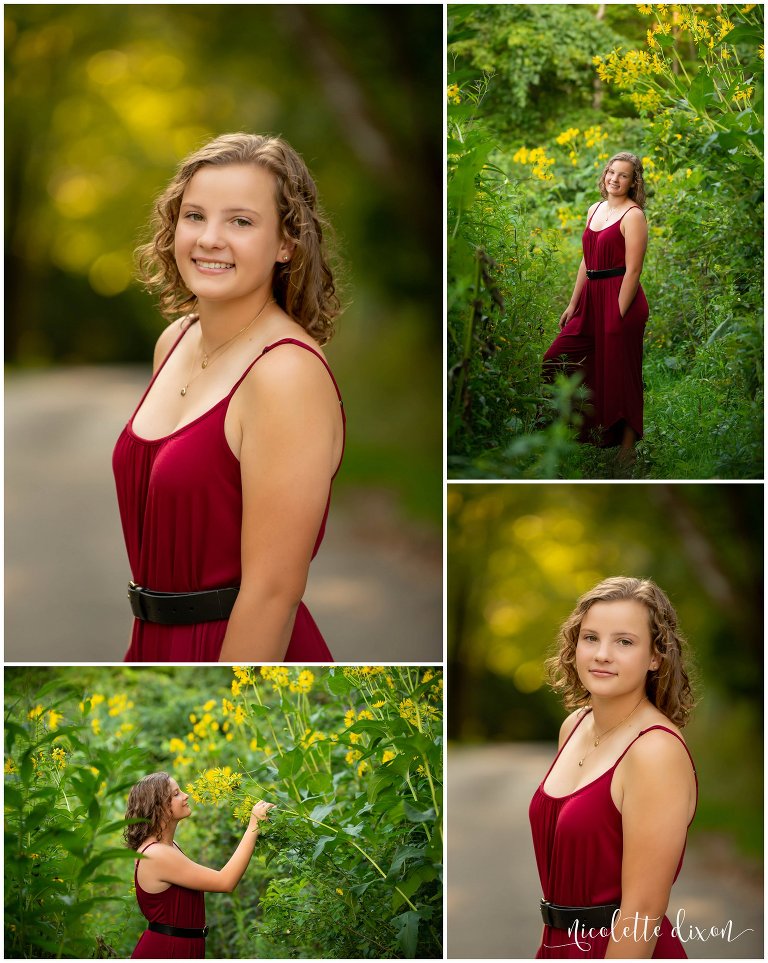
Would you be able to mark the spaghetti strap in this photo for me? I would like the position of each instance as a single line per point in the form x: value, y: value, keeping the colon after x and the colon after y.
x: 301, y: 344
x: 594, y: 212
x: 559, y: 751
x: 682, y: 742
x: 159, y: 369
x: 619, y: 222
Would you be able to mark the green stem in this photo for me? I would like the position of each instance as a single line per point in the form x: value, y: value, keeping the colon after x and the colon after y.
x: 360, y: 849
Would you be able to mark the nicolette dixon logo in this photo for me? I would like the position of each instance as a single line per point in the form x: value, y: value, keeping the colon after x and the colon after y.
x: 639, y: 927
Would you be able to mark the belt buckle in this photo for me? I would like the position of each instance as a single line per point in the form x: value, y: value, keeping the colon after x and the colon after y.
x: 136, y: 599
x: 205, y: 931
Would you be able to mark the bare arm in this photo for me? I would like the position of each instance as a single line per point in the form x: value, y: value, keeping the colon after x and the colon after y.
x: 291, y: 443
x: 635, y: 230
x: 172, y: 866
x: 658, y: 795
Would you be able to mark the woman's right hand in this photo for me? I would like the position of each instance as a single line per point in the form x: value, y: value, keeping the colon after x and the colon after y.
x: 566, y: 316
x: 261, y: 809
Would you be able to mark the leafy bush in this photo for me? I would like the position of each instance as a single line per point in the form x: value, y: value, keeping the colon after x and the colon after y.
x: 350, y: 864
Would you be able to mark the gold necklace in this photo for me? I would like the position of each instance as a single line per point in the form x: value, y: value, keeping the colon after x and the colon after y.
x: 604, y: 734
x: 209, y: 359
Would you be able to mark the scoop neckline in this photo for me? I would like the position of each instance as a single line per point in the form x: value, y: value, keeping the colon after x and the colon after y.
x: 176, y: 431
x: 614, y: 222
x: 580, y: 789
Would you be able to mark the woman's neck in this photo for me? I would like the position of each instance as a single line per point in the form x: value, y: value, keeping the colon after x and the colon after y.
x: 167, y: 833
x: 610, y: 713
x: 222, y: 320
x: 614, y: 203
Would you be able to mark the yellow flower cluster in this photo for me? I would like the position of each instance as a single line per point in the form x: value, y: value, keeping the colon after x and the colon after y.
x: 454, y: 96
x: 59, y: 756
x: 742, y: 95
x: 567, y: 136
x: 35, y: 713
x: 244, y: 674
x: 214, y: 785
x: 363, y: 672
x: 388, y: 756
x: 118, y: 704
x: 310, y: 738
x: 303, y: 683
x: 10, y: 766
x: 277, y: 675
x: 628, y: 69
x: 538, y: 160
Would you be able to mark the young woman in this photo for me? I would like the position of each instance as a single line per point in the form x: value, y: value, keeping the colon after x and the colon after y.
x: 170, y: 887
x: 602, y: 327
x: 610, y: 818
x: 224, y: 470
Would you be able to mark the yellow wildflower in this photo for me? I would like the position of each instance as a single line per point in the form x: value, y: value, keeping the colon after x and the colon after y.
x: 339, y: 891
x: 9, y: 767
x: 35, y: 713
x: 59, y: 756
x: 54, y: 718
x: 352, y: 756
x: 95, y: 726
x: 388, y: 756
x: 453, y: 94
x: 363, y: 768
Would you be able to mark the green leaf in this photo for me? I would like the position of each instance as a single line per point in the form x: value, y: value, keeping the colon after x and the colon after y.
x: 415, y: 815
x: 407, y: 929
x: 320, y: 812
x: 290, y: 762
x: 320, y: 783
x: 701, y: 86
x: 338, y: 683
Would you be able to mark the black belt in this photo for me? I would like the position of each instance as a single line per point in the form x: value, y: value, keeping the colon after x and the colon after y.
x: 181, y: 608
x: 608, y: 273
x: 178, y: 931
x: 589, y: 917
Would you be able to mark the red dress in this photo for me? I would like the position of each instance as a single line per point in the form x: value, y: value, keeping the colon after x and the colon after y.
x: 605, y: 346
x: 181, y: 508
x: 175, y: 906
x: 578, y: 844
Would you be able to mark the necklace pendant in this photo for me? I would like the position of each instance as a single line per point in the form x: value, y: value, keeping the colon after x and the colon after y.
x: 597, y: 742
x: 204, y: 364
x: 184, y: 391
x: 581, y: 763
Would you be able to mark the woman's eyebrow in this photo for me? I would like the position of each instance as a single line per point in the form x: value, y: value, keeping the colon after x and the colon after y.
x: 227, y: 210
x: 633, y: 634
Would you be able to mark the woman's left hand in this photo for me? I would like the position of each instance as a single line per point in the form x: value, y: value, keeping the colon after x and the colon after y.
x: 261, y: 810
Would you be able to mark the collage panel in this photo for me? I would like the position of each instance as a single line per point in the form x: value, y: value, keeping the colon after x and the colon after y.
x: 278, y: 812
x: 265, y: 203
x: 628, y: 618
x: 605, y: 241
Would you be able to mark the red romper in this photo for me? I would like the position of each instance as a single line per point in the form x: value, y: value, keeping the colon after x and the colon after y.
x: 175, y: 906
x: 181, y: 508
x: 607, y: 348
x: 578, y: 843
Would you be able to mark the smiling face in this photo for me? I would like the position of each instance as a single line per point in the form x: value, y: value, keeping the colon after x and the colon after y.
x: 227, y: 238
x: 178, y: 805
x: 619, y: 178
x: 613, y: 650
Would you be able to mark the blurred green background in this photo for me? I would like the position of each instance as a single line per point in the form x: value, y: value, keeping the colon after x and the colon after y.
x: 520, y: 555
x: 102, y: 101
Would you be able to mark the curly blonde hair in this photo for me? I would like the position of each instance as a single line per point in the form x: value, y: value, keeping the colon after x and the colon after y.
x: 667, y: 687
x: 149, y: 801
x: 303, y: 286
x: 637, y: 188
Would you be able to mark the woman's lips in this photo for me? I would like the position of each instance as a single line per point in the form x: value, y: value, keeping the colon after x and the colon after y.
x: 601, y: 672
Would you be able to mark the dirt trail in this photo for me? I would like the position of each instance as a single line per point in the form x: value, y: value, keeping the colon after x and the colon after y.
x: 375, y: 588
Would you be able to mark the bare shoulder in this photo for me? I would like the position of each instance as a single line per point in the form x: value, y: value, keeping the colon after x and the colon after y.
x: 659, y: 752
x: 634, y: 220
x: 593, y: 208
x: 288, y: 368
x: 569, y: 724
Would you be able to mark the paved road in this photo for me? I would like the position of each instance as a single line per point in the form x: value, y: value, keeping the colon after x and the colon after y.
x: 493, y: 888
x: 375, y: 589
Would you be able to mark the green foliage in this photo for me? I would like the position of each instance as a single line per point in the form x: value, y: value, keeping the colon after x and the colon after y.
x: 64, y: 795
x: 350, y: 864
x: 539, y: 54
x: 516, y: 211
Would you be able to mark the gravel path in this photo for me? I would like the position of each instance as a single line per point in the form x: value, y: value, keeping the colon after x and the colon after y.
x: 493, y: 887
x: 375, y: 588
